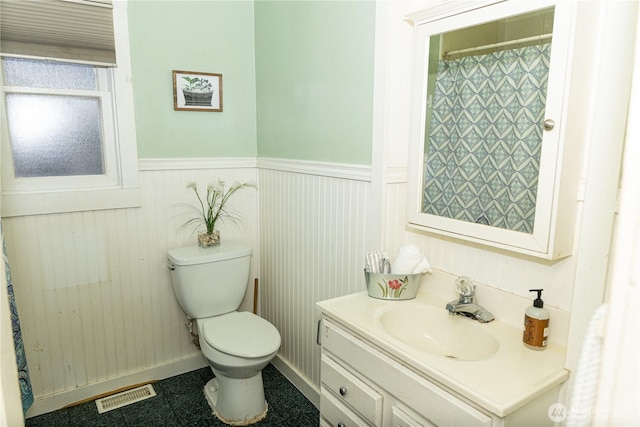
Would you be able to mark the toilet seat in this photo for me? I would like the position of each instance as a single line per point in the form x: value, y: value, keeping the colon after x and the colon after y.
x: 241, y: 334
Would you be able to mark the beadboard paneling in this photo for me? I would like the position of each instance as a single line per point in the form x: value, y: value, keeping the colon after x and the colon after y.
x: 95, y: 298
x: 312, y: 230
x: 93, y: 289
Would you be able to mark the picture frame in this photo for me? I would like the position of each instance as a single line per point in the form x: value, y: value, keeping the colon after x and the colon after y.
x: 197, y: 91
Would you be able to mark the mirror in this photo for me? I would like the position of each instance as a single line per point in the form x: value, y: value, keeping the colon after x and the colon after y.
x: 487, y: 95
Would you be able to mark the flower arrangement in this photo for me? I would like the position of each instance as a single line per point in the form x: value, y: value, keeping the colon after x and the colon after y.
x: 213, y: 209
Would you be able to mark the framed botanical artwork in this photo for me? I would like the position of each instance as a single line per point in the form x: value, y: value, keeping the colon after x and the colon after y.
x: 194, y: 91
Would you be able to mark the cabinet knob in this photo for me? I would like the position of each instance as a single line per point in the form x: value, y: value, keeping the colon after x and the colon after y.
x: 342, y: 390
x: 341, y: 424
x: 548, y: 124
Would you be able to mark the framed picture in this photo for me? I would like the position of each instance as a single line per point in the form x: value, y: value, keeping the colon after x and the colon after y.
x: 194, y: 91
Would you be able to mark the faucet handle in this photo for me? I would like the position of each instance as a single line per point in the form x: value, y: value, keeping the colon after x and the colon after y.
x: 465, y: 287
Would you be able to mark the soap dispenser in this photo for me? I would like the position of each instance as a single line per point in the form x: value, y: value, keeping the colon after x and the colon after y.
x: 536, y: 324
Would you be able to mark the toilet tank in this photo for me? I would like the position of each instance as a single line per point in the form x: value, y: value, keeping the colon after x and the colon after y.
x: 210, y: 281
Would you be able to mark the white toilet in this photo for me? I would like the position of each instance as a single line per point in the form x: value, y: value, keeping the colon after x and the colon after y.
x: 210, y: 285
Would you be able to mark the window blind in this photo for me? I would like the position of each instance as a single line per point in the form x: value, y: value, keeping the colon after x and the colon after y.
x: 72, y: 30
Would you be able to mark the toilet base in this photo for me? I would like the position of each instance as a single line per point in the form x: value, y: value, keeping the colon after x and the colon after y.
x: 237, y: 401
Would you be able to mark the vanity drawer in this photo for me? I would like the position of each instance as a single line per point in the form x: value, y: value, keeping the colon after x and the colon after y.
x: 352, y: 391
x: 434, y: 403
x: 336, y: 414
x: 400, y: 418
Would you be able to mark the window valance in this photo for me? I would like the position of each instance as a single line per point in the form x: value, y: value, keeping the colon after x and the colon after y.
x: 73, y: 30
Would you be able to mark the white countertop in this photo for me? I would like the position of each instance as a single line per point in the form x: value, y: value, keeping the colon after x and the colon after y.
x: 501, y: 383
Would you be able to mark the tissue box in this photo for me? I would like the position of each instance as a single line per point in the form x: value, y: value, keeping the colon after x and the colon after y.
x: 392, y: 286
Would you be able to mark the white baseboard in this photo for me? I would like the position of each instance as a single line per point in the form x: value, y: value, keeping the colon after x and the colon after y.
x: 309, y: 390
x: 53, y: 402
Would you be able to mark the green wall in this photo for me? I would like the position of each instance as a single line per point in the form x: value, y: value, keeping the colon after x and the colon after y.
x: 305, y: 67
x: 314, y: 73
x: 208, y: 36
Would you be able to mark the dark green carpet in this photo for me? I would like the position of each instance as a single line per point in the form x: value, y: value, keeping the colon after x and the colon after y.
x: 180, y: 401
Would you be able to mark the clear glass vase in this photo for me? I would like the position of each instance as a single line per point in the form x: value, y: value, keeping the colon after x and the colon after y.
x: 206, y: 240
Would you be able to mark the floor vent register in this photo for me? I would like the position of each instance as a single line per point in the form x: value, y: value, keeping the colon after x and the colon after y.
x: 125, y: 398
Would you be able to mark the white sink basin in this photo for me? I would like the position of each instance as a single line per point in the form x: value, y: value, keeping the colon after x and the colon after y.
x: 433, y: 330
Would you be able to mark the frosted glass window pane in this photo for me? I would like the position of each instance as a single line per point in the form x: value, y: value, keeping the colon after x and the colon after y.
x: 55, y: 135
x: 48, y: 74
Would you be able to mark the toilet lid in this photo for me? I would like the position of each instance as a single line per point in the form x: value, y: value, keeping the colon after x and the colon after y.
x: 241, y: 334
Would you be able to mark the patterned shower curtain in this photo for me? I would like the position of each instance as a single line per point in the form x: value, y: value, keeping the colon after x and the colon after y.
x: 483, y: 154
x: 23, y: 371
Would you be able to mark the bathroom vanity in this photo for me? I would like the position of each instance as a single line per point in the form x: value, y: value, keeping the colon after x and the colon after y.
x: 409, y: 363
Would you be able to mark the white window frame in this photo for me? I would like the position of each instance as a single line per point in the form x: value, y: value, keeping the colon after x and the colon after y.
x: 119, y: 187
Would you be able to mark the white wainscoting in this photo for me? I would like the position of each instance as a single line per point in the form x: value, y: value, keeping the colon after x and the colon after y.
x: 93, y: 290
x: 312, y: 245
x: 94, y: 293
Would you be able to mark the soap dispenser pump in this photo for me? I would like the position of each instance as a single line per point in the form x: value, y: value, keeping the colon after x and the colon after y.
x: 536, y: 324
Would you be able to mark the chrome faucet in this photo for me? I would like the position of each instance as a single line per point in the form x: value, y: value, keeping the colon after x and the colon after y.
x: 466, y: 304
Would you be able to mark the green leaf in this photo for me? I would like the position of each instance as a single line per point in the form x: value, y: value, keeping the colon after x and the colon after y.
x: 383, y: 289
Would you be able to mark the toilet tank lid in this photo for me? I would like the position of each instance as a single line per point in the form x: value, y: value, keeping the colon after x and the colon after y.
x: 191, y: 255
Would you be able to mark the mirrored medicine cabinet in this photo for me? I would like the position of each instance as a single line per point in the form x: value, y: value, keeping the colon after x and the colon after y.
x: 490, y: 89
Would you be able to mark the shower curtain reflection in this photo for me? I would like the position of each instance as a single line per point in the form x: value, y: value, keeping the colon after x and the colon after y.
x: 483, y: 153
x: 21, y: 360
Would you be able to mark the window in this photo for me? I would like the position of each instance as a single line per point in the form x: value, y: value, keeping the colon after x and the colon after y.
x: 59, y: 123
x: 68, y: 142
